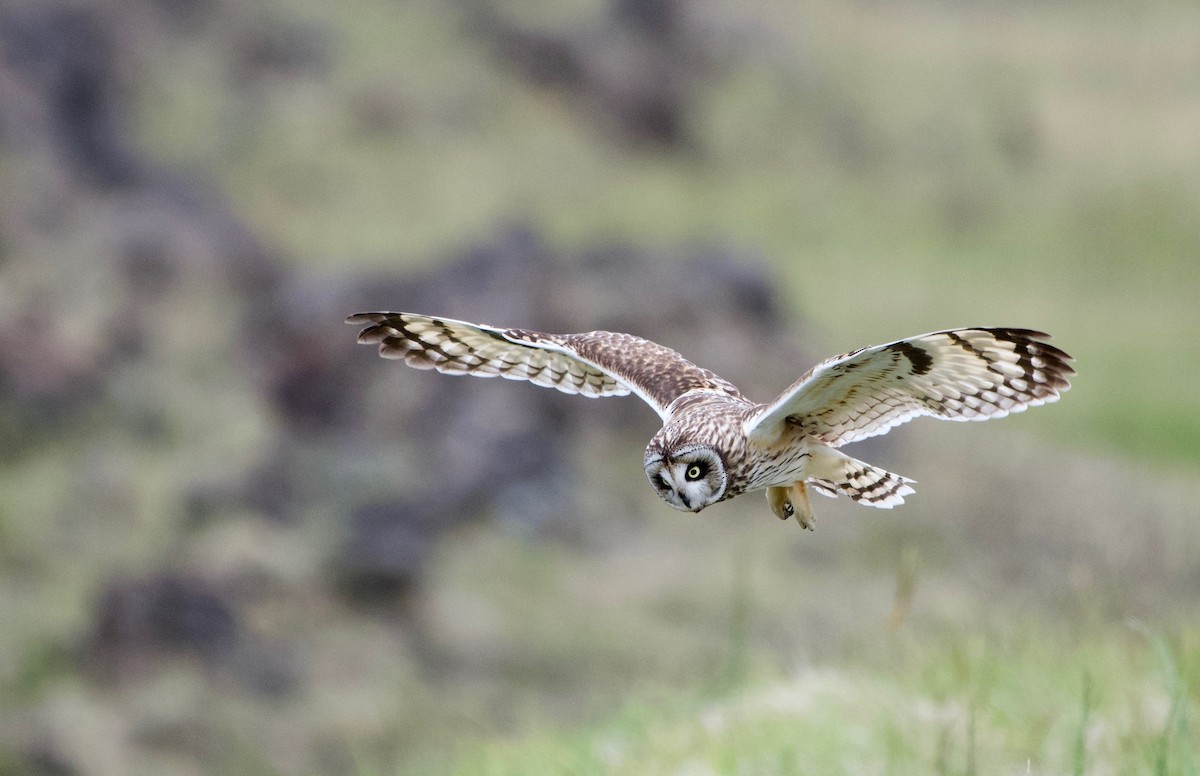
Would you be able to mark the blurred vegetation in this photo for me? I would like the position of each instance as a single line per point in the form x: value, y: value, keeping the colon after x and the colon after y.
x: 896, y: 167
x: 999, y: 702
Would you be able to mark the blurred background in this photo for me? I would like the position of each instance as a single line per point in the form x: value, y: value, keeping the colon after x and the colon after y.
x: 231, y: 541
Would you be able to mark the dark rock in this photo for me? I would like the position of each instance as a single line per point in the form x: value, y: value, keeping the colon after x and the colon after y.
x: 66, y: 57
x: 163, y: 613
x: 640, y: 68
x: 385, y: 553
x: 141, y: 622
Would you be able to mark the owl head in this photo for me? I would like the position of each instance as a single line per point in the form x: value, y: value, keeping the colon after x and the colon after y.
x: 689, y: 477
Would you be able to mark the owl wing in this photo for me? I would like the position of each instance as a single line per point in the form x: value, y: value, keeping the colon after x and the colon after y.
x: 961, y: 374
x: 598, y: 363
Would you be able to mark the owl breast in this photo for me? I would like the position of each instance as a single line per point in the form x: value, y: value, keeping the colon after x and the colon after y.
x: 781, y: 463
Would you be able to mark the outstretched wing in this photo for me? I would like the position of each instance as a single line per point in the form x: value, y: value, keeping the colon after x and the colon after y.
x: 961, y: 374
x: 598, y: 363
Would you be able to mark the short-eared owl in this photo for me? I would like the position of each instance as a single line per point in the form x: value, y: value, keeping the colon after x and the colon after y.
x: 715, y: 443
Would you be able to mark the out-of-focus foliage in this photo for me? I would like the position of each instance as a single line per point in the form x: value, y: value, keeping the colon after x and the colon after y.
x: 1021, y: 703
x: 232, y: 541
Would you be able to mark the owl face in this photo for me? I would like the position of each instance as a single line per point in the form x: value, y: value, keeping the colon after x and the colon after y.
x: 688, y: 478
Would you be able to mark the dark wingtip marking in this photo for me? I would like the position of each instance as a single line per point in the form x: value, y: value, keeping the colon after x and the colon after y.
x: 921, y: 361
x: 373, y: 317
x: 1033, y: 344
x: 374, y: 335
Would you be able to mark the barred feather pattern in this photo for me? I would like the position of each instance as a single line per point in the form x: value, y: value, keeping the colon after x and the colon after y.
x: 597, y: 363
x: 456, y: 347
x: 868, y: 485
x: 960, y: 374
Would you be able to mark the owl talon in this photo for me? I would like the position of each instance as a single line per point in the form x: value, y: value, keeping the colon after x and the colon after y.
x: 781, y: 506
x: 798, y: 492
x: 792, y: 500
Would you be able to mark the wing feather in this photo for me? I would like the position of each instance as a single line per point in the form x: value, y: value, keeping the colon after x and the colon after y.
x: 957, y: 374
x: 593, y: 364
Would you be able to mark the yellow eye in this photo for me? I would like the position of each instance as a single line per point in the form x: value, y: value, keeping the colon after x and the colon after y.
x: 694, y: 472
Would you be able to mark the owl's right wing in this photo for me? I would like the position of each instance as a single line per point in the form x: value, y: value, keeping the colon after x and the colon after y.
x: 958, y: 374
x: 598, y: 363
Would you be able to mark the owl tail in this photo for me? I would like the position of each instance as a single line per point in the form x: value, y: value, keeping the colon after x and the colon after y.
x: 831, y: 472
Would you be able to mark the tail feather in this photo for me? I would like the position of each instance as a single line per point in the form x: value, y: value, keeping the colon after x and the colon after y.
x: 833, y: 472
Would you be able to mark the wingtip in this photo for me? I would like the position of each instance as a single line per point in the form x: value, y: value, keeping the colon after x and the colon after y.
x: 1057, y: 362
x: 374, y: 335
x: 361, y: 318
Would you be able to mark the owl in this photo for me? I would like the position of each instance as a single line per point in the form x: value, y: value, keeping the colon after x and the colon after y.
x: 715, y: 443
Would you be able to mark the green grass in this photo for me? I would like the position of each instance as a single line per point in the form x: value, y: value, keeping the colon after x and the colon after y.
x: 965, y: 703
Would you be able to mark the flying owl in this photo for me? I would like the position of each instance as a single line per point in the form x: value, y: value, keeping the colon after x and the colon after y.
x: 715, y: 443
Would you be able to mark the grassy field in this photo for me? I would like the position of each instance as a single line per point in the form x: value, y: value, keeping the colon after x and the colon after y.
x: 899, y: 167
x: 1018, y: 702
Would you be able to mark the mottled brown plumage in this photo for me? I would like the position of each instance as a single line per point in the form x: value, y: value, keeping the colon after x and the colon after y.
x: 715, y: 443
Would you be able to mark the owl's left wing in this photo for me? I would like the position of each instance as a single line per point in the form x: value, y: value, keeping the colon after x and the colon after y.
x: 598, y: 363
x: 960, y: 374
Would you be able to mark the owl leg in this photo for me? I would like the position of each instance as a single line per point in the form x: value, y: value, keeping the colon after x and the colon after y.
x: 798, y: 492
x: 788, y: 500
x: 777, y: 498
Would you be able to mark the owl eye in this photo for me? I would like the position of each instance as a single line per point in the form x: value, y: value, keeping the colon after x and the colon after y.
x: 661, y: 482
x: 694, y: 472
